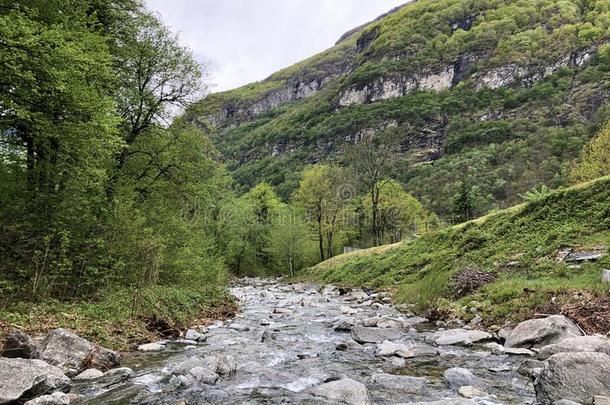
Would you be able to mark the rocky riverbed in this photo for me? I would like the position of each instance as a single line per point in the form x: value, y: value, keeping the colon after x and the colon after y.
x: 302, y: 344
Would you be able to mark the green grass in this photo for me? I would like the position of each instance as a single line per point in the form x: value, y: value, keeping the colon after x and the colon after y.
x: 420, y: 271
x: 119, y: 319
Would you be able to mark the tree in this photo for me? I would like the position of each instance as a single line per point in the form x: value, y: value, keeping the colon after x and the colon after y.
x: 373, y: 162
x: 463, y: 204
x: 400, y: 213
x: 323, y: 194
x: 289, y: 235
x: 595, y: 158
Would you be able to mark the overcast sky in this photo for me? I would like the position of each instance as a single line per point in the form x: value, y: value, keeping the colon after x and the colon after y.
x: 247, y: 40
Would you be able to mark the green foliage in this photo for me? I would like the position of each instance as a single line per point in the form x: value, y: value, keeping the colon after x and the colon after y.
x: 527, y: 236
x: 536, y: 194
x: 595, y: 158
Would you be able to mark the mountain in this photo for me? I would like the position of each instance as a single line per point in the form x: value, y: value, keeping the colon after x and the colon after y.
x: 490, y: 96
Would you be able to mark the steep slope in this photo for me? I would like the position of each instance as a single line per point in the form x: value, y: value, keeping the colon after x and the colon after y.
x: 504, y: 266
x: 499, y: 94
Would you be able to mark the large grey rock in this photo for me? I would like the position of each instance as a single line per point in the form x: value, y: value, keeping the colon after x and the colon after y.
x: 538, y: 333
x: 459, y: 377
x: 400, y: 383
x: 344, y: 391
x: 203, y: 375
x: 19, y: 345
x: 72, y: 353
x: 462, y: 337
x: 387, y: 348
x: 56, y: 398
x: 362, y: 334
x: 417, y: 351
x: 578, y: 344
x: 576, y: 377
x: 22, y: 379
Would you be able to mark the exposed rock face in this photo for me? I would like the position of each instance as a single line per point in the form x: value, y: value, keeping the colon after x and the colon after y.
x: 541, y: 332
x: 19, y: 345
x: 398, y: 86
x: 72, y: 353
x: 576, y: 377
x: 345, y: 391
x: 600, y: 344
x: 22, y: 379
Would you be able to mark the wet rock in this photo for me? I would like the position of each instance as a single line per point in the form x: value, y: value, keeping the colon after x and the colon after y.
x: 347, y: 310
x: 458, y: 377
x: 222, y: 364
x: 495, y: 348
x: 239, y: 327
x: 391, y: 324
x: 348, y: 344
x: 362, y: 334
x: 600, y: 400
x: 387, y: 348
x: 151, y: 347
x: 358, y: 296
x: 21, y: 379
x: 401, y: 383
x: 574, y: 376
x: 19, y: 345
x: 344, y: 325
x: 118, y: 374
x: 72, y: 353
x: 193, y: 335
x: 565, y: 402
x: 203, y: 375
x: 418, y: 351
x: 267, y: 336
x: 177, y: 381
x: 398, y: 362
x: 415, y: 320
x: 56, y: 398
x: 346, y: 391
x: 282, y: 311
x: 186, y: 366
x: 371, y: 322
x: 538, y: 333
x: 469, y: 392
x: 89, y: 374
x: 517, y: 351
x: 462, y: 337
x: 531, y: 368
x: 453, y: 401
x: 578, y: 344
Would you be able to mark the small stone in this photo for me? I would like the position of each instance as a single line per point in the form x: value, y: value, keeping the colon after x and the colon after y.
x: 470, y: 392
x: 89, y: 374
x: 151, y: 347
x: 457, y: 377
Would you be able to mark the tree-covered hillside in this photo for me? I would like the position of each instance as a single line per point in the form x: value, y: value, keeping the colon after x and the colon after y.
x: 491, y: 99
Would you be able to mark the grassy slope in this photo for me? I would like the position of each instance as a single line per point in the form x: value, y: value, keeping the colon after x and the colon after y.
x: 121, y: 318
x: 530, y: 234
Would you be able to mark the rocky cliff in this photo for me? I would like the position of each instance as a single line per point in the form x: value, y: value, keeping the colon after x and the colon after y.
x: 497, y: 93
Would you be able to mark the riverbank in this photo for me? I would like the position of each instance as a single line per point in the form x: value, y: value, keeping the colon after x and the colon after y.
x: 302, y: 343
x: 120, y: 318
x: 545, y: 256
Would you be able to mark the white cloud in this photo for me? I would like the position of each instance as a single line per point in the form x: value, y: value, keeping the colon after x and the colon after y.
x: 247, y: 40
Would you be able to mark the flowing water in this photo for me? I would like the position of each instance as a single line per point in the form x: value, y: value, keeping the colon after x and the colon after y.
x: 284, y: 346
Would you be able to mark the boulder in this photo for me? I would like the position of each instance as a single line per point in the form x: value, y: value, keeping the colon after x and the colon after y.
x: 89, y: 374
x: 400, y: 383
x: 458, y: 377
x: 345, y: 391
x: 537, y: 333
x: 203, y: 375
x: 192, y: 334
x: 19, y: 345
x: 578, y: 344
x: 73, y: 354
x: 344, y: 325
x: 348, y: 344
x: 462, y: 337
x: 576, y: 377
x: 391, y: 324
x: 363, y: 334
x: 56, y: 398
x: 221, y: 364
x: 531, y: 368
x: 22, y: 379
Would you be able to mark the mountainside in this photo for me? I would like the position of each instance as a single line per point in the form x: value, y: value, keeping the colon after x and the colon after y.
x: 497, y: 94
